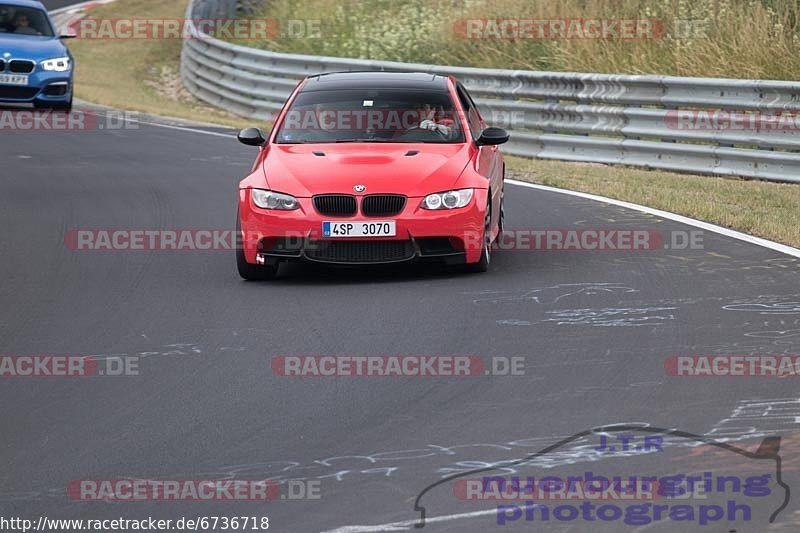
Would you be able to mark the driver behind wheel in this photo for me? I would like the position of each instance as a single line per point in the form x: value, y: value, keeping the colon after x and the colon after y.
x: 431, y: 119
x: 22, y: 24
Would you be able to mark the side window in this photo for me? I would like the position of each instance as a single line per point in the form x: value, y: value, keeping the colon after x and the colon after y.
x: 473, y: 116
x: 471, y: 102
x: 463, y: 98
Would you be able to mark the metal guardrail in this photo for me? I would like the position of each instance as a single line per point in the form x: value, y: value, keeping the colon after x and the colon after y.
x: 621, y: 119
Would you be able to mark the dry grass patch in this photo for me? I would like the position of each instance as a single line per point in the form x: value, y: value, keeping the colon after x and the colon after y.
x: 764, y: 209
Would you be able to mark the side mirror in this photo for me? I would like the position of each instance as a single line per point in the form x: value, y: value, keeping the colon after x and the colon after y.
x: 251, y: 137
x: 492, y: 136
x: 67, y: 36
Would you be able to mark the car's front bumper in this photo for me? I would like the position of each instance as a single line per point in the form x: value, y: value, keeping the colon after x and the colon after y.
x: 452, y: 236
x: 43, y: 86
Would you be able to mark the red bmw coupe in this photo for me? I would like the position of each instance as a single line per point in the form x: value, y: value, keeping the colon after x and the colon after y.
x: 372, y: 167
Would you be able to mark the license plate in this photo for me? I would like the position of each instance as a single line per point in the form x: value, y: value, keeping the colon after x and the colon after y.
x: 13, y: 79
x: 359, y: 229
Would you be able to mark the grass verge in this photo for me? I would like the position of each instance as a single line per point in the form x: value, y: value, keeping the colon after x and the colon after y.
x: 140, y: 75
x: 765, y: 209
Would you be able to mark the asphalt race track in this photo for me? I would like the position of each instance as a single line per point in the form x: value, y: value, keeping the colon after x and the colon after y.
x: 56, y: 4
x: 594, y: 329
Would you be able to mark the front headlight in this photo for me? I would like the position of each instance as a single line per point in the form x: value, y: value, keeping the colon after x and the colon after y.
x: 447, y: 200
x: 58, y: 64
x: 274, y: 200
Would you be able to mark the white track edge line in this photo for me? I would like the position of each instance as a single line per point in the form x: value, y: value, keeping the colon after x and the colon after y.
x: 406, y: 524
x: 182, y: 128
x: 74, y: 8
x: 758, y: 241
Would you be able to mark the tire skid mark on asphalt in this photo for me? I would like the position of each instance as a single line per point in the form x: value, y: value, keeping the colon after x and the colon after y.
x: 612, y: 317
x: 166, y: 350
x: 759, y: 418
x: 553, y: 293
x: 627, y: 316
x: 694, y: 450
x: 582, y: 451
x: 788, y: 308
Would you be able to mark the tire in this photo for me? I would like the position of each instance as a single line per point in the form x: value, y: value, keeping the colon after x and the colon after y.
x: 252, y: 272
x: 486, y: 251
x: 66, y: 107
x: 249, y: 271
x: 501, y: 223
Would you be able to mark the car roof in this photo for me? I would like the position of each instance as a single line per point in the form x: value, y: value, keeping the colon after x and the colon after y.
x: 375, y: 80
x: 24, y: 3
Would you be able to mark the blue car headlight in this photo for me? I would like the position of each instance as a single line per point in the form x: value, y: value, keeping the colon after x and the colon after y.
x: 57, y: 64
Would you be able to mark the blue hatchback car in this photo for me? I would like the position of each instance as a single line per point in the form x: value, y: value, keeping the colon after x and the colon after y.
x: 35, y: 66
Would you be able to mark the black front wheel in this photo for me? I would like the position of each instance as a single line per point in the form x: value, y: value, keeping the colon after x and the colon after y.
x: 249, y: 271
x: 486, y: 250
x: 55, y: 106
x: 252, y: 272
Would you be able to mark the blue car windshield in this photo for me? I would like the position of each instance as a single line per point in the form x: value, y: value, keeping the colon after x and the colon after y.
x: 19, y: 20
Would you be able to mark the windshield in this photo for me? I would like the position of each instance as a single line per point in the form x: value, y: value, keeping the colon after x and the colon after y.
x: 371, y: 115
x: 19, y: 20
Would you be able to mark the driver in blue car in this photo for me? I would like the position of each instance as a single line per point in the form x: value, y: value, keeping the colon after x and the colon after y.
x: 23, y: 25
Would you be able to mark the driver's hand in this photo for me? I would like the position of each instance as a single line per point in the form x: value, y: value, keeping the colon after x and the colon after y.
x: 433, y: 126
x: 428, y: 124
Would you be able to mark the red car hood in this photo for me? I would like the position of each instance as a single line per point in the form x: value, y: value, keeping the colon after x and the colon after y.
x: 383, y: 168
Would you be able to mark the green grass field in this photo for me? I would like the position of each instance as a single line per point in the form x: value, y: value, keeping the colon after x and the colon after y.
x: 758, y: 39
